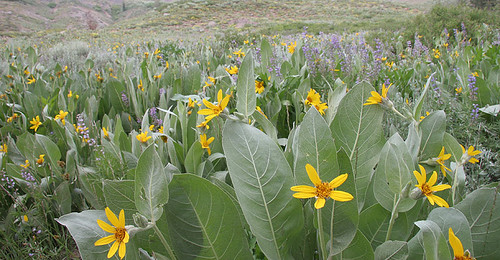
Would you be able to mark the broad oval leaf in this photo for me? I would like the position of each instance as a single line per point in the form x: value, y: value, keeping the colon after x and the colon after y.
x: 119, y: 194
x: 432, y: 240
x: 246, y: 98
x: 359, y: 248
x: 392, y: 250
x: 262, y: 179
x: 358, y: 129
x: 451, y: 217
x: 203, y: 221
x: 432, y: 129
x: 151, y: 185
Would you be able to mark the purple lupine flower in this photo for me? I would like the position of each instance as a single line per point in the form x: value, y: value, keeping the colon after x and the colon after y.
x: 125, y: 99
x: 472, y: 86
x: 162, y: 91
x: 475, y: 111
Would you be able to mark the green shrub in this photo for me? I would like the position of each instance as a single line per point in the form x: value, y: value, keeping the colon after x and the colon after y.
x: 52, y: 5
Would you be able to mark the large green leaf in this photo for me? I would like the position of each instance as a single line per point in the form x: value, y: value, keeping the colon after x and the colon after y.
x: 246, y: 98
x: 315, y: 146
x: 203, y: 221
x: 151, y: 183
x: 359, y: 248
x: 85, y: 231
x: 483, y: 213
x: 393, y: 174
x: 262, y: 179
x: 266, y: 53
x: 432, y: 132
x: 119, y: 194
x: 452, y: 218
x: 432, y: 240
x: 193, y: 158
x: 358, y: 129
x: 392, y: 250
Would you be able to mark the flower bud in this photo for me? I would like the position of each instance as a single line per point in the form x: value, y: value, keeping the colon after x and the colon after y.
x: 416, y: 194
x: 140, y: 220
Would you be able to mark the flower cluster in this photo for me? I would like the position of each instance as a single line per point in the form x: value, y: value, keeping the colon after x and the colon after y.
x: 314, y: 99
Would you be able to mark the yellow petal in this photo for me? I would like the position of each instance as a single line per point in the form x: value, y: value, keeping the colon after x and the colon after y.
x: 105, y: 240
x: 341, y: 195
x: 224, y: 102
x: 106, y: 227
x: 338, y: 180
x: 205, y: 112
x: 126, y: 238
x: 209, y: 151
x: 219, y: 96
x: 303, y: 195
x: 209, y: 105
x: 113, y: 249
x: 320, y: 202
x: 122, y: 250
x: 121, y: 219
x: 303, y: 188
x: 433, y: 179
x: 430, y: 198
x: 458, y: 249
x: 463, y: 148
x: 313, y: 175
x: 210, y: 140
x: 112, y: 217
x: 440, y: 187
x: 473, y: 160
x: 439, y: 201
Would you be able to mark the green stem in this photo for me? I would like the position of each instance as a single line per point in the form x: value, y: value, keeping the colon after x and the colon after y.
x: 398, y: 113
x: 320, y: 236
x: 455, y: 183
x: 164, y: 242
x: 394, y: 216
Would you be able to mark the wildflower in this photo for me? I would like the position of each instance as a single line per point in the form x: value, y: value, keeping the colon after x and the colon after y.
x: 437, y: 54
x: 140, y: 86
x: 207, y: 84
x: 245, y: 42
x: 12, y: 118
x: 40, y: 159
x: 314, y: 99
x: 389, y: 64
x: 214, y: 110
x: 458, y: 249
x: 458, y: 90
x: 212, y: 79
x: 3, y: 148
x: 105, y: 132
x: 98, y: 77
x: 428, y: 188
x: 322, y: 190
x: 26, y: 164
x: 157, y: 51
x: 143, y: 137
x: 70, y: 94
x: 233, y: 70
x: 157, y: 76
x: 25, y: 218
x: 160, y: 130
x: 239, y: 53
x: 61, y: 116
x: 205, y: 143
x: 32, y: 80
x: 260, y: 111
x: 376, y: 98
x: 259, y: 86
x: 26, y: 72
x: 204, y: 124
x: 119, y: 235
x: 469, y: 155
x: 146, y: 54
x: 65, y: 69
x: 422, y: 117
x: 291, y: 47
x: 166, y: 64
x: 440, y: 160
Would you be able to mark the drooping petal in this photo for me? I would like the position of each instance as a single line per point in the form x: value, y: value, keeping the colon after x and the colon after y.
x: 112, y: 217
x: 209, y: 151
x: 121, y: 251
x: 205, y: 112
x: 303, y: 195
x: 219, y: 96
x: 121, y: 219
x: 313, y: 175
x: 463, y: 148
x: 338, y: 180
x: 209, y: 105
x: 210, y: 140
x: 106, y: 227
x: 439, y: 201
x: 113, y: 249
x: 420, y: 179
x: 208, y: 118
x: 440, y: 187
x: 224, y: 102
x: 303, y: 188
x: 458, y: 249
x: 105, y: 240
x: 341, y: 195
x: 433, y: 179
x: 320, y: 202
x: 126, y: 238
x: 430, y: 198
x: 473, y: 160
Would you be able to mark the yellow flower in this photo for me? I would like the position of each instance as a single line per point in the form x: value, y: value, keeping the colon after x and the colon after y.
x: 35, y: 123
x: 25, y: 218
x: 214, y: 110
x: 458, y: 90
x: 119, y: 233
x: 458, y: 249
x: 61, y: 116
x: 322, y: 190
x: 99, y: 78
x: 260, y: 111
x: 143, y: 137
x: 259, y: 86
x: 105, y: 132
x: 428, y: 188
x: 157, y: 51
x: 291, y: 47
x: 32, y: 80
x: 207, y: 84
x: 376, y: 98
x: 205, y: 143
x: 204, y: 124
x: 12, y: 118
x: 70, y: 94
x: 469, y: 155
x: 3, y: 148
x: 140, y: 85
x: 314, y: 99
x: 212, y: 79
x: 26, y: 164
x: 160, y: 130
x: 245, y: 42
x: 26, y: 72
x: 40, y: 159
x: 475, y: 74
x: 437, y: 54
x: 157, y: 76
x: 233, y: 70
x: 239, y: 53
x: 422, y: 117
x: 440, y: 159
x: 389, y: 64
x: 146, y: 54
